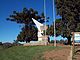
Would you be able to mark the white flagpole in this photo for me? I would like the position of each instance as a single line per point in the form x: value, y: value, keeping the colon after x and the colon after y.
x: 45, y: 18
x: 54, y: 23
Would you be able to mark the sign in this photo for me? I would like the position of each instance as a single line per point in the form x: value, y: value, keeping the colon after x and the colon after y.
x: 77, y: 36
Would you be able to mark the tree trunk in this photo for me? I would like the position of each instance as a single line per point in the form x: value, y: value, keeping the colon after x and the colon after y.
x: 69, y: 40
x: 27, y: 41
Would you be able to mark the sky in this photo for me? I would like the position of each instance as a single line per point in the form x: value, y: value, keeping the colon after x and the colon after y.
x: 8, y: 29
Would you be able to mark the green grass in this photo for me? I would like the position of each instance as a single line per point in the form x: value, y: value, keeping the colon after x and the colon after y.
x: 24, y: 53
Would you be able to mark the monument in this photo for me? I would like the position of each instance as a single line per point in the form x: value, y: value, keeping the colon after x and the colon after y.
x: 41, y: 28
x: 42, y: 39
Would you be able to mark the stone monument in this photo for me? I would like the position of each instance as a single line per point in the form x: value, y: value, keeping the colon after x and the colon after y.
x: 42, y: 39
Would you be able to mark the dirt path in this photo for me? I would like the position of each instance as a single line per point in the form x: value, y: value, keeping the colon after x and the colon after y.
x: 58, y: 54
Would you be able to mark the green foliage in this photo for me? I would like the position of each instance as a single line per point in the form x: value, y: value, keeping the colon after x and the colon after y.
x: 1, y: 43
x: 28, y: 34
x: 29, y: 31
x: 69, y: 10
x: 25, y: 16
x: 7, y: 45
x: 58, y: 27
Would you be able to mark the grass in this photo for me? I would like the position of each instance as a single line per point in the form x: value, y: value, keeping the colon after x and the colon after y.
x: 24, y: 53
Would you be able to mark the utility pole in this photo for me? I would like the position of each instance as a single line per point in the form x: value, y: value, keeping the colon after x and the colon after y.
x: 45, y: 20
x: 54, y: 23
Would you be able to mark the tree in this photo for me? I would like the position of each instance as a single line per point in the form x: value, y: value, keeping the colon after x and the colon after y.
x: 69, y: 10
x: 58, y: 27
x: 28, y: 34
x: 15, y: 42
x: 29, y: 31
x: 1, y: 43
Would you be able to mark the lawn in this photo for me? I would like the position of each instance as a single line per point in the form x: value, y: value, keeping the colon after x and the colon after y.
x: 25, y: 53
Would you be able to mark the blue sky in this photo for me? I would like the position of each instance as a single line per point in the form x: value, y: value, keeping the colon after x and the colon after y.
x: 9, y: 30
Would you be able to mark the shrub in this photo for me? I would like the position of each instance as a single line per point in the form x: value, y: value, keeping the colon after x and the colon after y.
x: 17, y: 44
x: 7, y: 45
x: 52, y: 41
x: 1, y: 43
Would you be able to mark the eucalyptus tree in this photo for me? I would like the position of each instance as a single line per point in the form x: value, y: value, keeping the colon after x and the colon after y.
x: 29, y: 31
x: 69, y: 10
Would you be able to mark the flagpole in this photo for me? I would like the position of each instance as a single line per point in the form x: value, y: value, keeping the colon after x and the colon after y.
x: 45, y: 18
x: 54, y: 23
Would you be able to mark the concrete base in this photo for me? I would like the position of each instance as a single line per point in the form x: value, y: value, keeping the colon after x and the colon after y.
x: 36, y: 43
x: 41, y: 41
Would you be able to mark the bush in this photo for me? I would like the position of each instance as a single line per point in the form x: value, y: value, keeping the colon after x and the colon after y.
x: 17, y: 44
x: 66, y: 42
x: 1, y: 43
x: 7, y: 45
x: 52, y: 41
x: 62, y: 41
